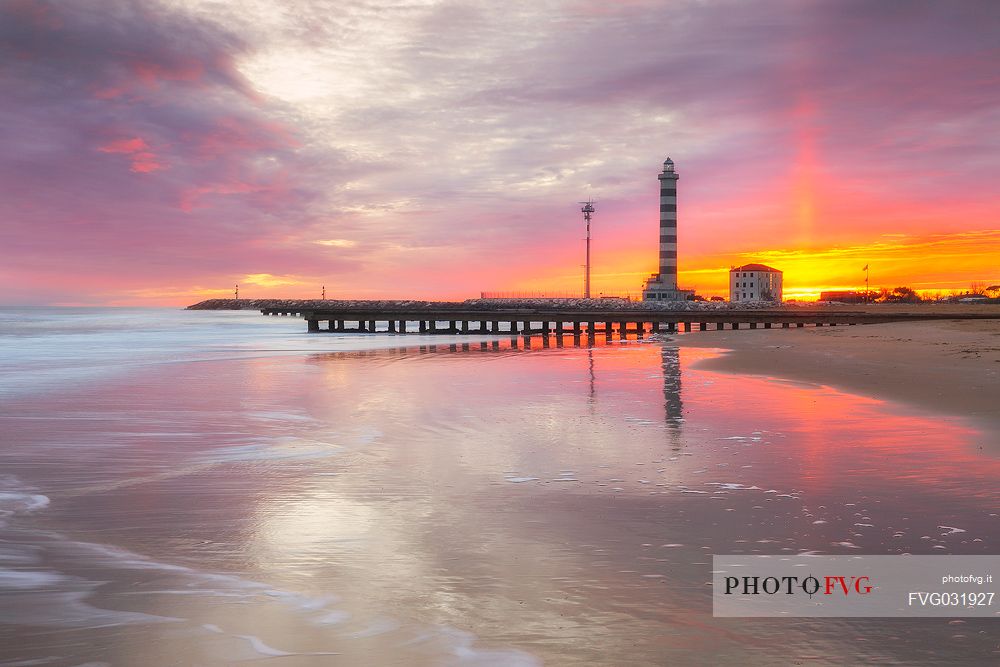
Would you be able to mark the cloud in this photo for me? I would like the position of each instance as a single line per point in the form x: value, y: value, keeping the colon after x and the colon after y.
x: 442, y: 145
x: 142, y: 158
x: 267, y: 280
x: 134, y: 147
x: 336, y: 243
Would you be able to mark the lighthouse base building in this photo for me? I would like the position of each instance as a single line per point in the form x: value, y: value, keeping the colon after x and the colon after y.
x: 655, y: 289
x: 662, y: 286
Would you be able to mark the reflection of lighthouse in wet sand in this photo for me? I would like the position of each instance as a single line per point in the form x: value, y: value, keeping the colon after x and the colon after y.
x: 662, y: 286
x: 670, y: 360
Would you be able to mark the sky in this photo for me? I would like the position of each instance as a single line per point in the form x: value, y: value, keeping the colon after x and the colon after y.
x: 158, y: 152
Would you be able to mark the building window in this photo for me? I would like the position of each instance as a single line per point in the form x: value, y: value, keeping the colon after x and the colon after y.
x: 751, y: 275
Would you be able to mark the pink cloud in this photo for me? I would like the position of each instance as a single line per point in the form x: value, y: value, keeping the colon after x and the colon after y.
x: 143, y: 160
x: 125, y: 145
x: 230, y: 134
x: 152, y: 73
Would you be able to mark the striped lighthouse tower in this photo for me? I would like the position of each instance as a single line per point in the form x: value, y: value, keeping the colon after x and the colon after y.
x: 668, y: 225
x: 663, y: 285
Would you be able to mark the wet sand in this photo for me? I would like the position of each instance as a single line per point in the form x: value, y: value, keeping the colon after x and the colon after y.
x: 466, y: 504
x: 950, y: 366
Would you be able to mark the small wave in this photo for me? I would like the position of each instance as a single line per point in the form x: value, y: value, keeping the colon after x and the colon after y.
x: 47, y: 589
x: 16, y: 499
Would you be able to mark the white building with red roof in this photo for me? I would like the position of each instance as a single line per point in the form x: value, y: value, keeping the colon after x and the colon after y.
x: 754, y: 282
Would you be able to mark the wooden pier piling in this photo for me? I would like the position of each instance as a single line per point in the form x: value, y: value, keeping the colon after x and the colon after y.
x: 457, y: 318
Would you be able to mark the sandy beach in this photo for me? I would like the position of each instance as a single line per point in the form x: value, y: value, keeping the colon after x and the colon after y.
x: 327, y: 500
x: 950, y: 366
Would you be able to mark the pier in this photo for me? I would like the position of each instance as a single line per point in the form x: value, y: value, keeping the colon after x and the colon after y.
x: 462, y: 318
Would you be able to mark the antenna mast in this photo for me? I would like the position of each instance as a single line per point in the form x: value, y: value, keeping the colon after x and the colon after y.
x: 588, y: 208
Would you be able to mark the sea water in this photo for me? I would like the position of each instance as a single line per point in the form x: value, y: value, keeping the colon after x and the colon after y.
x: 189, y: 487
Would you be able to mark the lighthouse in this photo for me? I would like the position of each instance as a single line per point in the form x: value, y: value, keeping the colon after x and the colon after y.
x: 662, y: 286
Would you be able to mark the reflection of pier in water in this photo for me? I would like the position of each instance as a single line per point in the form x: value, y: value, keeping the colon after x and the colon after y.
x: 495, y: 344
x: 670, y: 364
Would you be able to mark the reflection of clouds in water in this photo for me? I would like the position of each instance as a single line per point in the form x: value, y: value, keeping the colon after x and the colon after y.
x: 522, y: 494
x: 50, y: 581
x: 326, y: 443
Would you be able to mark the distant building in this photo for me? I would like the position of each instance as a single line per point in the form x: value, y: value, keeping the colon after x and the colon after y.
x: 842, y: 296
x: 754, y: 282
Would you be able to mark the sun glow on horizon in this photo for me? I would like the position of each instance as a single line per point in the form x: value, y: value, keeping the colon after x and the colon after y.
x: 931, y: 265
